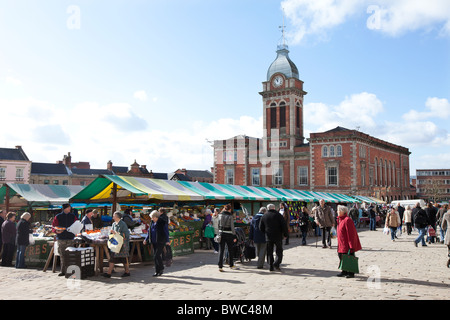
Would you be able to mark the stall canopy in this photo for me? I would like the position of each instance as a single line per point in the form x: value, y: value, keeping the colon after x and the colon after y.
x: 132, y: 189
x: 37, y: 195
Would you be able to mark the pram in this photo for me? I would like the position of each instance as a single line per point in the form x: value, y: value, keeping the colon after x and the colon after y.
x: 239, y: 246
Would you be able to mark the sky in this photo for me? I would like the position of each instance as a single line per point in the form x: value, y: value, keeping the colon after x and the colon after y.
x: 157, y: 81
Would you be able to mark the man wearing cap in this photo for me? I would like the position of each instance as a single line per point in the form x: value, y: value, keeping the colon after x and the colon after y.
x: 64, y: 238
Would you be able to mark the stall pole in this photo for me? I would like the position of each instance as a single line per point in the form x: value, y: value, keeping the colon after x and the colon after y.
x: 114, y: 204
x: 7, y: 198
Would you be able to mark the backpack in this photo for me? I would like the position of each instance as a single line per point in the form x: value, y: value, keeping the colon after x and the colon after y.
x: 420, y: 218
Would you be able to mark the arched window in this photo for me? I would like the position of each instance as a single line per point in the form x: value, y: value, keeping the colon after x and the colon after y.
x: 331, y: 151
x: 381, y: 172
x: 324, y: 151
x: 339, y: 151
x: 376, y: 171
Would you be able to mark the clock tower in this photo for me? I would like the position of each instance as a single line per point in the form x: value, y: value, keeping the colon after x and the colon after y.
x: 283, y: 103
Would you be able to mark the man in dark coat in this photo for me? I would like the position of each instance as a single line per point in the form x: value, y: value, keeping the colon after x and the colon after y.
x: 258, y: 237
x: 274, y: 226
x: 420, y: 219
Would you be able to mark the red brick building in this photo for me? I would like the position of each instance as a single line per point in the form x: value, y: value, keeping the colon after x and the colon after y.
x: 340, y: 160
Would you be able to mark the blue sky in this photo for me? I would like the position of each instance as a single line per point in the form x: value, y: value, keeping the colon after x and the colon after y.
x: 154, y: 80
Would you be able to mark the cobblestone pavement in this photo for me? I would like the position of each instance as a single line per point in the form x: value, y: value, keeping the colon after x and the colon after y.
x: 389, y: 270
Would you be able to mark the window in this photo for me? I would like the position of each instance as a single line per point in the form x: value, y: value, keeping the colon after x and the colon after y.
x: 2, y: 173
x: 65, y: 182
x: 332, y: 176
x: 338, y: 151
x: 278, y: 176
x: 19, y: 174
x: 363, y: 175
x: 46, y: 181
x: 325, y: 151
x: 229, y: 156
x: 229, y: 176
x: 332, y: 151
x: 282, y: 115
x: 302, y: 176
x: 255, y: 177
x: 55, y: 181
x: 273, y: 116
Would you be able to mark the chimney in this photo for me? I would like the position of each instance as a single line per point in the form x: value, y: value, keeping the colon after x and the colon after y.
x: 19, y: 147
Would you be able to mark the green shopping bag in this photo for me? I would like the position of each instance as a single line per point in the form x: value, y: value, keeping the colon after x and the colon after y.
x: 349, y: 263
x: 209, y: 231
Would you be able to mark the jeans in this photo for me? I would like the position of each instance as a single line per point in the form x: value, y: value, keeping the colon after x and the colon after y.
x: 409, y: 227
x: 215, y: 244
x: 304, y: 234
x: 227, y: 239
x: 261, y: 251
x: 421, y: 237
x: 431, y: 239
x: 158, y: 256
x: 20, y: 257
x: 326, y: 236
x: 372, y: 223
x: 442, y: 231
x: 279, y: 252
x: 393, y: 232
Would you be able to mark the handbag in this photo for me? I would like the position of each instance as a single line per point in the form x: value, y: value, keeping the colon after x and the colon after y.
x: 115, y: 242
x: 209, y: 231
x: 218, y: 238
x: 349, y: 263
x: 168, y: 255
x: 31, y: 239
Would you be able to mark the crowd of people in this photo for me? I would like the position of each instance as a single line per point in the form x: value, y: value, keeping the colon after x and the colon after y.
x: 268, y: 229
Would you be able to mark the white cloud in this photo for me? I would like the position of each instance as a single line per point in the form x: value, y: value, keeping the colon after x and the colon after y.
x: 436, y: 108
x: 358, y: 110
x: 317, y: 18
x: 13, y: 81
x: 140, y: 95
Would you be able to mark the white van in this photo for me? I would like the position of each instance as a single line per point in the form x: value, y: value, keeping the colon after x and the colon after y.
x: 411, y: 203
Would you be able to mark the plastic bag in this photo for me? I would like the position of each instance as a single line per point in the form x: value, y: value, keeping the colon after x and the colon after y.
x: 386, y: 230
x: 333, y: 232
x: 115, y: 242
x: 31, y: 239
x: 76, y: 227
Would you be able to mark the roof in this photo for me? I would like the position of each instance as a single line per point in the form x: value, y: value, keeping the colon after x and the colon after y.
x: 199, y: 174
x: 92, y: 172
x: 283, y: 65
x: 49, y: 168
x: 16, y: 154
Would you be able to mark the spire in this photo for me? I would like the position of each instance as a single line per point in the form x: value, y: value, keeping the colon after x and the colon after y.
x: 283, y: 44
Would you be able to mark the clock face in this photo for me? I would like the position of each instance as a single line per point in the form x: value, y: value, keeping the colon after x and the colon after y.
x: 277, y: 81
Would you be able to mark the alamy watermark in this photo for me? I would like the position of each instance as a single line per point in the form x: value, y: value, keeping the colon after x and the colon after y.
x: 73, y: 22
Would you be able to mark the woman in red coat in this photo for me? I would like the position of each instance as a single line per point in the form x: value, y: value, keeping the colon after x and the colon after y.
x: 347, y: 237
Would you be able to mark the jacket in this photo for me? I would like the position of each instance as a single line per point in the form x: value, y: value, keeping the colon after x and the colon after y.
x: 157, y: 233
x: 323, y: 216
x: 226, y: 222
x: 255, y: 233
x: 64, y: 220
x: 392, y: 220
x: 446, y: 226
x: 9, y: 232
x: 420, y: 218
x: 23, y: 233
x: 431, y: 214
x: 347, y: 237
x: 273, y: 225
x: 407, y: 216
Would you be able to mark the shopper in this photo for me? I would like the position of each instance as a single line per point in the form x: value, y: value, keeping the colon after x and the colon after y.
x: 441, y: 212
x: 354, y: 214
x: 348, y: 239
x: 274, y: 226
x: 159, y: 238
x: 87, y: 220
x: 64, y: 238
x: 304, y: 224
x: 401, y: 212
x: 420, y: 219
x: 407, y: 217
x: 228, y: 236
x: 120, y: 227
x: 23, y: 239
x: 207, y: 221
x: 392, y: 221
x: 2, y: 219
x: 215, y: 223
x: 445, y: 226
x: 431, y: 214
x: 258, y: 237
x: 284, y: 211
x: 96, y: 219
x: 324, y: 219
x: 9, y: 239
x: 372, y: 218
